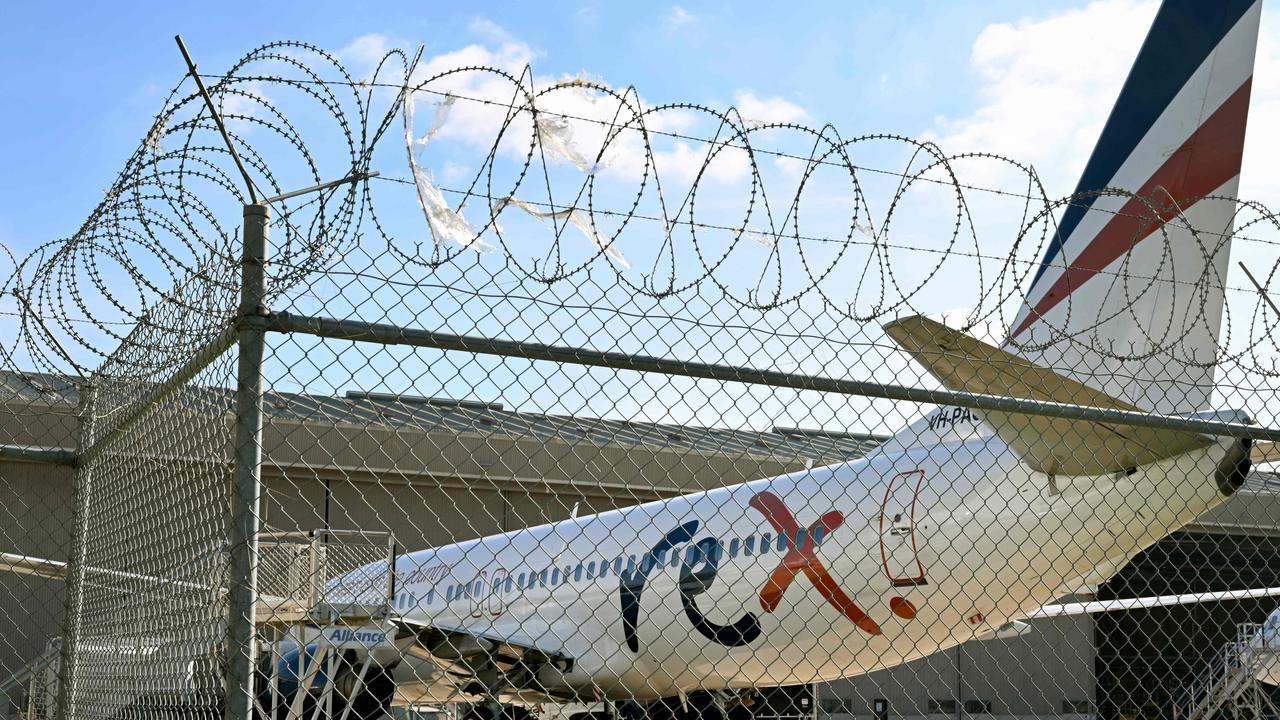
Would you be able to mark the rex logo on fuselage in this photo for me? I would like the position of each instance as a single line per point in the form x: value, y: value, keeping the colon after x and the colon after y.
x: 701, y: 563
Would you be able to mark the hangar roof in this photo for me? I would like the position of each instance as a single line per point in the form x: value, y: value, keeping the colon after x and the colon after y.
x: 469, y: 416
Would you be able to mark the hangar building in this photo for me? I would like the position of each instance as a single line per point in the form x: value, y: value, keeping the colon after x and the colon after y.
x: 433, y: 471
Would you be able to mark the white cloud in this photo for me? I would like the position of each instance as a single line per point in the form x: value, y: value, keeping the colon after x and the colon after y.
x: 495, y: 34
x: 367, y: 50
x: 584, y: 113
x: 1045, y: 86
x: 246, y: 102
x: 755, y: 109
x: 578, y: 116
x: 472, y: 120
x: 1258, y: 180
x: 683, y: 161
x: 678, y: 17
x: 990, y: 331
x: 455, y: 172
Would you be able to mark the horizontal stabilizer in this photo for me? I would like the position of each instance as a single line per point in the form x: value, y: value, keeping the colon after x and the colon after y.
x: 1049, y: 445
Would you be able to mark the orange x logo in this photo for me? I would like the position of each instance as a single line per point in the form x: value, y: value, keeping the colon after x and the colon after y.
x: 801, y: 557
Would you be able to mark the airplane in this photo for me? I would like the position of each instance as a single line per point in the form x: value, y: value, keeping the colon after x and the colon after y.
x: 1266, y: 644
x: 961, y: 526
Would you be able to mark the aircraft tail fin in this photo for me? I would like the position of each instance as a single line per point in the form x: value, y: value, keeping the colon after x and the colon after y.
x: 1129, y: 295
x: 1048, y: 445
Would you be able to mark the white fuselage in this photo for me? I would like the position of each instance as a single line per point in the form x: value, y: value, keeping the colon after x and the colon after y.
x: 931, y: 547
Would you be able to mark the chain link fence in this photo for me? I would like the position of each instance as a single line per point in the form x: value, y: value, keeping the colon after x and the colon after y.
x: 541, y: 400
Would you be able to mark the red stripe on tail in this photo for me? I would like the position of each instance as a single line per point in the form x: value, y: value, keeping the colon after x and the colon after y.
x: 1207, y: 160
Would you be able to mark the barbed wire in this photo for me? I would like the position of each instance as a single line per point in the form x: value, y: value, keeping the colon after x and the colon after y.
x: 609, y: 236
x: 1030, y: 263
x: 1081, y: 201
x: 548, y: 160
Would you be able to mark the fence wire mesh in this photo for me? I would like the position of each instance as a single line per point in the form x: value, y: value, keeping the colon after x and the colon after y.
x: 564, y: 412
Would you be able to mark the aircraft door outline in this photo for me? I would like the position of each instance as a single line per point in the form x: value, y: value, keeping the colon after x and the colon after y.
x: 899, y: 548
x: 477, y: 590
x: 496, y: 604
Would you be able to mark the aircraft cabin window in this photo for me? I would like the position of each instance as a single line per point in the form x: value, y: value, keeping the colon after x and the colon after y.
x: 542, y: 579
x: 782, y: 542
x: 818, y: 532
x: 508, y: 585
x: 448, y: 594
x: 800, y: 537
x: 617, y: 565
x: 749, y: 546
x: 765, y: 541
x: 734, y: 544
x: 591, y: 569
x: 431, y: 596
x: 479, y: 587
x: 520, y: 580
x: 555, y: 576
x: 604, y: 568
x: 675, y: 557
x: 577, y: 573
x: 631, y: 564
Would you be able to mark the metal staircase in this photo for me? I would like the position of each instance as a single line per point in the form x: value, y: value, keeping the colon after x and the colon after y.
x: 325, y: 578
x: 1228, y: 686
x: 30, y: 694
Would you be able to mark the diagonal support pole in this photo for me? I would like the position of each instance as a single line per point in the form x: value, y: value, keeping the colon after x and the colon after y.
x: 217, y: 119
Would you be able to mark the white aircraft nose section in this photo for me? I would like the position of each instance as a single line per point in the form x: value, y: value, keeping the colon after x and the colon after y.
x: 1270, y: 635
x: 1267, y: 645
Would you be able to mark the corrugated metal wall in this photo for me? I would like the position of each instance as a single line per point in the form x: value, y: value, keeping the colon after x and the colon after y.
x: 1146, y: 657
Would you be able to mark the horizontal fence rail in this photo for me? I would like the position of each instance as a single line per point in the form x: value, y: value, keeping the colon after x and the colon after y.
x: 357, y: 331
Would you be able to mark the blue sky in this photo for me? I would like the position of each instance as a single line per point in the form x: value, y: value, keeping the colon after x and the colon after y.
x: 82, y: 83
x: 1033, y: 81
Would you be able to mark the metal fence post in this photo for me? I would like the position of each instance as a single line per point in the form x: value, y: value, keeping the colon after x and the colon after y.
x: 242, y: 536
x: 73, y: 604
